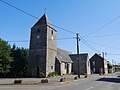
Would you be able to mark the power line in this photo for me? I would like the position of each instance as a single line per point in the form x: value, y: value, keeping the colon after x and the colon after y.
x: 48, y: 39
x: 103, y: 26
x: 19, y: 9
x: 113, y: 54
x: 19, y: 41
x: 55, y: 25
x: 88, y: 45
x: 33, y: 15
x: 64, y: 38
x: 104, y: 36
x: 64, y: 29
x: 103, y: 45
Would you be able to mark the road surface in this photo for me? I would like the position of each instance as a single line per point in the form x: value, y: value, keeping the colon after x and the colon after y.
x: 108, y: 82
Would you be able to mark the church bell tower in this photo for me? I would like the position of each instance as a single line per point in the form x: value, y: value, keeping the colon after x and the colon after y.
x: 42, y: 49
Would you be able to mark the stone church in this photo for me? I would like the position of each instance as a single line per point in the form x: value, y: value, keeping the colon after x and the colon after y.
x: 44, y: 56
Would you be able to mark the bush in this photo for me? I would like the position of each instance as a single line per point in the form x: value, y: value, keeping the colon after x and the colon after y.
x: 109, y: 70
x: 53, y: 74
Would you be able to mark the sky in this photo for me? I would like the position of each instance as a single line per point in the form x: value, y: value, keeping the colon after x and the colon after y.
x: 96, y: 21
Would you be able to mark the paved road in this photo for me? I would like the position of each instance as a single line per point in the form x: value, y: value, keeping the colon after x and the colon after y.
x: 111, y: 82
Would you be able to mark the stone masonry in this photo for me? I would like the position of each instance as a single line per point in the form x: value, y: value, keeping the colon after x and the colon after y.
x: 43, y: 49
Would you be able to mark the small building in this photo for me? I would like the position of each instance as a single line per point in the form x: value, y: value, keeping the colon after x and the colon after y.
x: 63, y: 62
x: 84, y: 64
x: 98, y: 64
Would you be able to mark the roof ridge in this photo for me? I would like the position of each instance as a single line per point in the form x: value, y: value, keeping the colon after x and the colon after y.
x: 43, y: 21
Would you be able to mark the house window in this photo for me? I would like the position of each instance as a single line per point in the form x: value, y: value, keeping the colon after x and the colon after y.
x: 101, y: 70
x: 52, y: 32
x: 93, y: 63
x: 93, y: 69
x: 51, y: 67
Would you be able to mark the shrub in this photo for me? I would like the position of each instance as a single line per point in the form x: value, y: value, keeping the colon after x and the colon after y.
x: 109, y: 70
x: 53, y: 74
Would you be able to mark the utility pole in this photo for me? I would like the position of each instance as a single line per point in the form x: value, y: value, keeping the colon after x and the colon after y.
x: 78, y: 56
x: 112, y: 65
x: 103, y: 54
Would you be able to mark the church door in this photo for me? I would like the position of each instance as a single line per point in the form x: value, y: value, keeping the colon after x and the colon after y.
x: 38, y: 72
x: 68, y: 68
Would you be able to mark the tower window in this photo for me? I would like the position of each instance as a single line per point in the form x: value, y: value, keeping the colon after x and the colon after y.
x: 52, y: 32
x: 38, y: 30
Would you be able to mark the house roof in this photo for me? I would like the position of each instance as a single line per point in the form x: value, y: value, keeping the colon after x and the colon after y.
x: 83, y: 56
x: 43, y: 21
x: 98, y: 56
x: 63, y: 55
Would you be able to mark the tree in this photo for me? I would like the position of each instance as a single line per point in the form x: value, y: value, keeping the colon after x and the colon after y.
x: 109, y: 67
x: 5, y: 58
x: 19, y: 65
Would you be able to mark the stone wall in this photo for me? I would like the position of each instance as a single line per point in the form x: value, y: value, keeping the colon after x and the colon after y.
x: 51, y: 50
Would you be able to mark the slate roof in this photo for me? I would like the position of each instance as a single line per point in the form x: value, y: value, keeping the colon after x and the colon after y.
x: 63, y: 55
x: 83, y: 56
x: 43, y: 21
x: 99, y: 57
